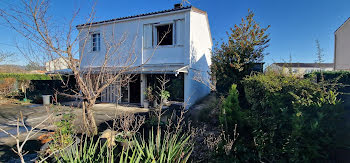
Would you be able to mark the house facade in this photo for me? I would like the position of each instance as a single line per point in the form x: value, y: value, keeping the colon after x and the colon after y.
x: 56, y: 64
x: 300, y: 69
x: 342, y: 47
x: 175, y: 42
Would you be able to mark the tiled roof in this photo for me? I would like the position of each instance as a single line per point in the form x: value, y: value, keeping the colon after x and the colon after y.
x: 305, y: 64
x: 135, y: 16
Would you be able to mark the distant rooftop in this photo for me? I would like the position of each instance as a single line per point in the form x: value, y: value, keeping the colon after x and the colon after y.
x: 324, y: 65
x: 176, y: 8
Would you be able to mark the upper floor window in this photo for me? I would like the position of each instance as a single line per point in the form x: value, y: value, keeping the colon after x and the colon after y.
x: 96, y: 42
x: 165, y: 34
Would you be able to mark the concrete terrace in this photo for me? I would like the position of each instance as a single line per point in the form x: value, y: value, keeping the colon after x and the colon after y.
x: 35, y: 114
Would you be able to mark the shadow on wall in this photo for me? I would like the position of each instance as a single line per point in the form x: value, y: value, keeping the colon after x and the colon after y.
x: 199, y: 68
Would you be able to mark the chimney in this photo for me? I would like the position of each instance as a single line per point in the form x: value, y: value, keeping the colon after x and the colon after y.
x: 178, y: 6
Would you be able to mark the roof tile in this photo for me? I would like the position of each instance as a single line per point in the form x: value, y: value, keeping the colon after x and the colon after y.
x: 135, y: 16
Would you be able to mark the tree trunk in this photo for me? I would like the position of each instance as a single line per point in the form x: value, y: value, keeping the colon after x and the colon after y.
x: 89, y: 119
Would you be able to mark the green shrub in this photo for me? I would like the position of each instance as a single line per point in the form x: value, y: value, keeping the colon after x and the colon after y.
x: 292, y: 119
x: 230, y: 113
x: 340, y: 76
x: 63, y: 135
x: 339, y: 79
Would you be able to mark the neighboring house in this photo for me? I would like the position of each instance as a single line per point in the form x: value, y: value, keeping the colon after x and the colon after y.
x: 300, y: 68
x: 37, y: 72
x: 342, y: 47
x: 56, y: 65
x: 184, y: 52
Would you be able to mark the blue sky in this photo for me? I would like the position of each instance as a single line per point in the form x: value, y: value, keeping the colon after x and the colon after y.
x: 295, y: 24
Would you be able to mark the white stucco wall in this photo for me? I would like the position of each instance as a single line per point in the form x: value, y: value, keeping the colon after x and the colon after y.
x: 56, y: 64
x: 131, y: 33
x: 342, y: 47
x: 200, y: 58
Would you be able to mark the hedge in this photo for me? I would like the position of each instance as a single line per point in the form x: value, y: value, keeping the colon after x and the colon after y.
x: 341, y: 76
x: 292, y: 119
x: 22, y: 76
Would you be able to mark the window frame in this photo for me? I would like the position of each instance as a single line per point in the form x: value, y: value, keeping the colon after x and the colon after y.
x: 98, y: 46
x: 155, y: 33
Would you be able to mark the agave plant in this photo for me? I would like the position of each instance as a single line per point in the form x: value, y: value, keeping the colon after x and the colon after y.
x: 89, y: 151
x: 172, y: 147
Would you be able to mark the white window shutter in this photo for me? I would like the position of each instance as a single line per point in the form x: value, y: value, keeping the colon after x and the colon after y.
x: 147, y: 35
x: 180, y: 31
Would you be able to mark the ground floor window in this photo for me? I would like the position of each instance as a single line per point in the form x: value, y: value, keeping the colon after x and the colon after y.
x: 175, y: 86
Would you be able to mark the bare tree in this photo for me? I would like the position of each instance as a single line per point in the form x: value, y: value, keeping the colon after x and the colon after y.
x: 210, y: 81
x: 319, y: 53
x: 319, y: 61
x: 114, y: 66
x: 5, y: 56
x: 30, y: 132
x: 162, y: 80
x: 31, y: 20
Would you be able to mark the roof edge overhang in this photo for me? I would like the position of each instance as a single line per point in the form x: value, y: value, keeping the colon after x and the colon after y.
x: 341, y: 26
x: 146, y: 69
x: 136, y: 17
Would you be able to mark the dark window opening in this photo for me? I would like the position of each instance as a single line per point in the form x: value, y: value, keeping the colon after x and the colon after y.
x: 175, y: 86
x: 165, y: 34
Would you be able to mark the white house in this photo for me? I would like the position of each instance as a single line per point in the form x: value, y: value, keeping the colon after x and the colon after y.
x: 56, y: 64
x: 183, y: 52
x: 342, y: 47
x: 300, y: 69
